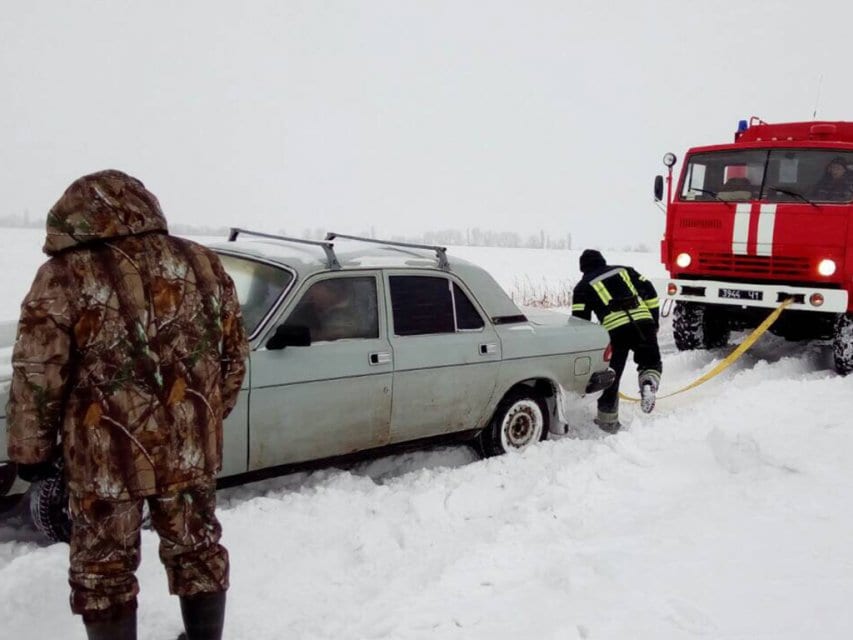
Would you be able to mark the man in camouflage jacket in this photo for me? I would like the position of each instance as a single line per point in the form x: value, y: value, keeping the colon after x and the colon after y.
x: 130, y: 352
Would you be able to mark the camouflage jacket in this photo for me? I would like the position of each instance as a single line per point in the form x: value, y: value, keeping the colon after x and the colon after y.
x: 130, y: 347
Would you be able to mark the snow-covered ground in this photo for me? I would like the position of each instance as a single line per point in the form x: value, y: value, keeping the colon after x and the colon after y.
x: 724, y: 514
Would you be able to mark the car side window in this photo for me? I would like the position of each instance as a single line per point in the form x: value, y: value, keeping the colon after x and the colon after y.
x: 430, y: 304
x: 338, y: 308
x: 467, y: 316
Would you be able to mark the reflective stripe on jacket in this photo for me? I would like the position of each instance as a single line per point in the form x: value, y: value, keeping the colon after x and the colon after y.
x: 617, y: 295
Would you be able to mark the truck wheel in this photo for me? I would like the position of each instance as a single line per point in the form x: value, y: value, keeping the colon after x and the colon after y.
x: 49, y: 508
x: 842, y: 344
x: 520, y: 420
x: 696, y: 326
x: 717, y: 330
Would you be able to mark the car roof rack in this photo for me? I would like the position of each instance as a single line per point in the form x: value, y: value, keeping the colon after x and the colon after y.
x: 440, y: 252
x: 328, y: 247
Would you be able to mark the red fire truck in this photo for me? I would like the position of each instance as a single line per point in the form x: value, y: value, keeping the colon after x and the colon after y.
x: 752, y: 223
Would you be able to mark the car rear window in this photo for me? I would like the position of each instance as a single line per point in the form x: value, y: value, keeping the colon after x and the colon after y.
x: 429, y: 304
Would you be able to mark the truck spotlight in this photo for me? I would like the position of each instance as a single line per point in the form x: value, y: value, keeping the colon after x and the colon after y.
x: 816, y: 299
x: 826, y: 267
x: 669, y: 159
x: 683, y: 260
x: 671, y: 289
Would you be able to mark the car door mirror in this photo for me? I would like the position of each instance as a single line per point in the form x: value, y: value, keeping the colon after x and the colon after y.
x: 658, y: 188
x: 287, y: 335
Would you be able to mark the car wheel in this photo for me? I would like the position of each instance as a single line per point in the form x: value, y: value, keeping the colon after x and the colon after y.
x: 49, y: 508
x: 520, y: 420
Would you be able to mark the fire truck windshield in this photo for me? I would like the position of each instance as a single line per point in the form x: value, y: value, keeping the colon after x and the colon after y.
x: 769, y: 175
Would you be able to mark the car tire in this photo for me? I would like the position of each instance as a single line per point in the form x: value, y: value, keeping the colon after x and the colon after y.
x: 49, y: 508
x: 520, y: 420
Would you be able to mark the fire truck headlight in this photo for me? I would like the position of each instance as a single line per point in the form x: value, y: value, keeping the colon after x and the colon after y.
x: 683, y: 260
x: 826, y: 267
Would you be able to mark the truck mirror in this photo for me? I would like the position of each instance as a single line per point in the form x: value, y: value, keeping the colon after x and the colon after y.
x: 658, y: 188
x: 287, y: 335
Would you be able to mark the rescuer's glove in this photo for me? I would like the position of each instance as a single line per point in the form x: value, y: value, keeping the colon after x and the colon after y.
x: 35, y: 472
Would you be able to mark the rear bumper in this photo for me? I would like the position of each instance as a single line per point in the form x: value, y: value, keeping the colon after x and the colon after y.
x: 600, y: 380
x: 754, y: 294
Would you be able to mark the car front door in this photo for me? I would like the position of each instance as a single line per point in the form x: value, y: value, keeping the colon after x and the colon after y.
x: 446, y: 356
x: 332, y: 397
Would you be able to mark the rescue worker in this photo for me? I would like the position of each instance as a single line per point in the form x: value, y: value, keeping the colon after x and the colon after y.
x: 836, y: 184
x: 627, y: 305
x: 130, y: 351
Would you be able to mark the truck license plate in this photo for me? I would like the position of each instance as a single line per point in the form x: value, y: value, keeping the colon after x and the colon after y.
x: 741, y: 294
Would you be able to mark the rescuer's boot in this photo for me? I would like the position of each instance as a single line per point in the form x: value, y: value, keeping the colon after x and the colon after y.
x: 123, y: 628
x: 204, y: 616
x: 647, y: 397
x: 608, y: 421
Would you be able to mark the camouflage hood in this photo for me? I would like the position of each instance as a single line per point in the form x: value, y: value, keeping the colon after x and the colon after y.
x: 100, y: 206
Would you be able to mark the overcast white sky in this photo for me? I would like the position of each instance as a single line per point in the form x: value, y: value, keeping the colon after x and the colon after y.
x: 404, y: 116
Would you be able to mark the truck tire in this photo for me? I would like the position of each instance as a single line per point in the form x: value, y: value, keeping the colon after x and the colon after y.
x: 697, y: 326
x: 842, y: 344
x: 521, y: 420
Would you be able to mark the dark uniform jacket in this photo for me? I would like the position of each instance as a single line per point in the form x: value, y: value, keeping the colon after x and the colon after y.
x: 130, y: 346
x: 617, y: 295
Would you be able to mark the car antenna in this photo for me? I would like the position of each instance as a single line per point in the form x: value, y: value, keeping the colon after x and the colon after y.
x: 817, y: 99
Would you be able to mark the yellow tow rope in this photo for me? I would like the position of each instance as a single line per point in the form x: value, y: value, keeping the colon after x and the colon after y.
x: 730, y: 359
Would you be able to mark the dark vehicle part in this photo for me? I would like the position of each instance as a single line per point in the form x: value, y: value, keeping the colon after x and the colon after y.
x: 698, y: 326
x: 49, y: 507
x: 842, y: 344
x: 600, y: 380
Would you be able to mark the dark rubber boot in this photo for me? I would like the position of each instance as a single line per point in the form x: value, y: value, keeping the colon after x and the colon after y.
x: 123, y: 628
x: 204, y: 615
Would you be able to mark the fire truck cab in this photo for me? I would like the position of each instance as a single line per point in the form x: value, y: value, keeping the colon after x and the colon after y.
x: 752, y: 223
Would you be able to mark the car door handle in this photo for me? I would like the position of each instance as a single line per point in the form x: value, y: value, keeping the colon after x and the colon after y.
x: 379, y: 357
x: 488, y: 348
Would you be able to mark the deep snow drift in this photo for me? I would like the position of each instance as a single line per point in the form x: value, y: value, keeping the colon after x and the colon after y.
x: 724, y: 514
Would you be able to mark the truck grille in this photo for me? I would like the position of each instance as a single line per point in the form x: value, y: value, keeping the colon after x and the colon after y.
x: 768, y: 266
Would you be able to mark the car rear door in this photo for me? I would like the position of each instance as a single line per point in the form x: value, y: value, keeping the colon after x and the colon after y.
x: 446, y: 355
x: 334, y: 396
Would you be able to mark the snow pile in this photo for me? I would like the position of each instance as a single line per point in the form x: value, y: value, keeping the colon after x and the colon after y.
x: 723, y: 514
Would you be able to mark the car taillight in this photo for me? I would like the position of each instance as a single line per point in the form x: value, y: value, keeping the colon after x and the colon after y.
x: 608, y: 352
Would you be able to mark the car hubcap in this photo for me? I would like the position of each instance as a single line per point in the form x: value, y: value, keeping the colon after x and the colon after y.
x: 522, y: 425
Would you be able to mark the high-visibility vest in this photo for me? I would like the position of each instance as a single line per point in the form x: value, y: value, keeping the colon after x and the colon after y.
x: 620, y: 301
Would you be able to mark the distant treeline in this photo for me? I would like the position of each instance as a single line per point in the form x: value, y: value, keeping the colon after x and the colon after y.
x: 472, y: 237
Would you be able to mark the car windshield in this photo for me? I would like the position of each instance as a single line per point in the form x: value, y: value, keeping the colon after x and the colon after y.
x: 258, y: 285
x: 769, y: 175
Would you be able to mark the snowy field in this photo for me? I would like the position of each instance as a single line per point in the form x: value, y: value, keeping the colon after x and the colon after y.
x: 724, y: 514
